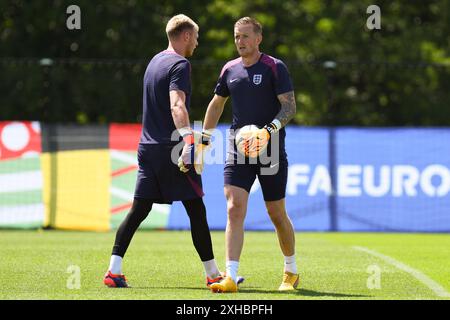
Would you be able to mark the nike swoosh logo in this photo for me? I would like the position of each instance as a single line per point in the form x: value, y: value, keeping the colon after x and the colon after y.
x: 233, y: 80
x: 274, y: 165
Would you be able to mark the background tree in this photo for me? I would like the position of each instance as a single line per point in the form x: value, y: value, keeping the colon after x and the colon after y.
x: 395, y: 76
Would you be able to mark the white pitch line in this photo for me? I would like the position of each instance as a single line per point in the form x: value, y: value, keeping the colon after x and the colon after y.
x: 433, y: 285
x: 122, y: 156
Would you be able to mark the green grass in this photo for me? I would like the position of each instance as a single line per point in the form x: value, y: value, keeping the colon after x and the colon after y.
x: 164, y: 265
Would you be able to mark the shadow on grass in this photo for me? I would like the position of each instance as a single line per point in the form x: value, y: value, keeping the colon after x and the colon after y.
x: 306, y: 293
x: 298, y: 292
x: 172, y: 288
x: 312, y: 293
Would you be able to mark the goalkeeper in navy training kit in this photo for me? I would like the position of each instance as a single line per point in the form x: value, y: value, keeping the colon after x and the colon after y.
x: 166, y: 99
x: 262, y: 94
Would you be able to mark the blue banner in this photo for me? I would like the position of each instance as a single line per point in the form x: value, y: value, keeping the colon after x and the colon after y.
x: 385, y: 179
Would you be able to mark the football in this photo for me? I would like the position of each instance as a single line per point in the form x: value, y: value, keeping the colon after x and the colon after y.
x: 250, y: 142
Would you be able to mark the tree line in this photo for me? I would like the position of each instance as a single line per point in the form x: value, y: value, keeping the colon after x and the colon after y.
x: 343, y: 72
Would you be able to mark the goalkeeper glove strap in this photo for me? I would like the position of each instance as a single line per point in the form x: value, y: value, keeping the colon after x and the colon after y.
x: 206, y: 137
x: 273, y: 127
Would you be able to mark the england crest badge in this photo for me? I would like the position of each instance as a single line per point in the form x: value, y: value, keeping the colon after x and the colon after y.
x: 257, y: 78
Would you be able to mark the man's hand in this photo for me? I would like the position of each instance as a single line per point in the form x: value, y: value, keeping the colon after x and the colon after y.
x: 186, y: 160
x: 257, y: 142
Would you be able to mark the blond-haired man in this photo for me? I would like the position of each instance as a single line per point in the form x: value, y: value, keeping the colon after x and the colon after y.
x: 166, y: 99
x: 262, y: 94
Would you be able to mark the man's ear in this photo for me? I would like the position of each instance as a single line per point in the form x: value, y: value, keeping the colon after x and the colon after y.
x: 187, y: 36
x: 259, y: 39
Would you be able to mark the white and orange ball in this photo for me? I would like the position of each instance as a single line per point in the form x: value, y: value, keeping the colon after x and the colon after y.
x: 251, y: 141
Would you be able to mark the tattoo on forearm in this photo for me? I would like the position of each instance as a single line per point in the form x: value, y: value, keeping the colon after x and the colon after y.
x: 288, y: 107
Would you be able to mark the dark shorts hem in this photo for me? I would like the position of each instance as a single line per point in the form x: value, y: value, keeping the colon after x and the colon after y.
x: 167, y: 201
x: 160, y: 201
x: 234, y: 184
x: 276, y: 198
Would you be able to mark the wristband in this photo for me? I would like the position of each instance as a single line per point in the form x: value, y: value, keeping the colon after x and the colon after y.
x: 184, y: 131
x: 273, y: 127
x: 206, y: 136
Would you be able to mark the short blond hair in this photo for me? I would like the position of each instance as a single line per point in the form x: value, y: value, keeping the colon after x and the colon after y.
x: 257, y: 27
x: 179, y: 23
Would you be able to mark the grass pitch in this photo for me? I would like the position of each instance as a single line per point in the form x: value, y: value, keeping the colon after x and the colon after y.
x: 164, y: 265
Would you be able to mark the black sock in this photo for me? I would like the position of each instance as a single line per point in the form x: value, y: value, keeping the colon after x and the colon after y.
x: 139, y: 211
x: 201, y: 236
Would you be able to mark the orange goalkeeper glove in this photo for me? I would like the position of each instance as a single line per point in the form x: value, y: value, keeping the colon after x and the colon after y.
x: 187, y: 157
x: 259, y: 139
x: 201, y: 149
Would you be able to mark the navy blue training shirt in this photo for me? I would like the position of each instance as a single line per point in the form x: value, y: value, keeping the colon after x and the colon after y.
x: 254, y: 89
x: 166, y: 71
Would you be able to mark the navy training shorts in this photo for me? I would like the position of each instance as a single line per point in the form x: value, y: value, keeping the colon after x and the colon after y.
x: 273, y: 185
x: 160, y: 180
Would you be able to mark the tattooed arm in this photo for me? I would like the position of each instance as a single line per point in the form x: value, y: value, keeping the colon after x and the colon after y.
x: 288, y: 107
x: 287, y: 112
